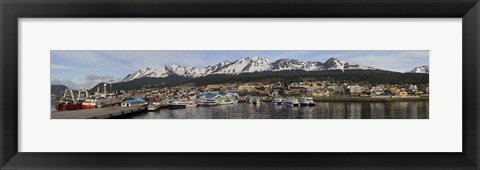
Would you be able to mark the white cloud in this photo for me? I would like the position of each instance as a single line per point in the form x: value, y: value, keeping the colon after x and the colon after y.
x: 93, y: 77
x: 69, y: 83
x: 89, y: 82
x: 58, y: 66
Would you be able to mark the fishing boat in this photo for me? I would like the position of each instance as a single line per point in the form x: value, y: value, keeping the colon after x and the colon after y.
x: 100, y: 100
x: 292, y: 102
x: 277, y: 101
x: 68, y: 102
x: 110, y: 100
x: 90, y: 103
x: 208, y: 103
x: 307, y: 101
x: 182, y: 104
x: 154, y: 106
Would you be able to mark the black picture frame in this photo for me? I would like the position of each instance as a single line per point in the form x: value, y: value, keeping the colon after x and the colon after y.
x: 11, y: 10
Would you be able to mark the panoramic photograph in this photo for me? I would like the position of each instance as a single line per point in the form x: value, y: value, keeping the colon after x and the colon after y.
x: 239, y: 84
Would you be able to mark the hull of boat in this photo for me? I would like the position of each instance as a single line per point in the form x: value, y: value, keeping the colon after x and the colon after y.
x: 191, y: 105
x: 67, y: 106
x: 293, y: 104
x: 177, y: 106
x: 100, y: 103
x: 277, y: 103
x: 229, y: 102
x: 153, y: 108
x: 109, y: 103
x: 309, y: 103
x: 89, y: 107
x: 208, y: 104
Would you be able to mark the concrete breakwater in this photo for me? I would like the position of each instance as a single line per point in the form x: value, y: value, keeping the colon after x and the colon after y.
x: 99, y: 113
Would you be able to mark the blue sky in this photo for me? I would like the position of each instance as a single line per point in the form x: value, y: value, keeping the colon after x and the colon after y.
x: 83, y: 69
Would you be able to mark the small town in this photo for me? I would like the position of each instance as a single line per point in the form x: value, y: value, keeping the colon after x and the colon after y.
x: 267, y: 92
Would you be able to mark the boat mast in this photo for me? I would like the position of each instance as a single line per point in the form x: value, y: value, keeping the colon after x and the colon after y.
x: 98, y: 91
x: 111, y: 95
x: 105, y: 89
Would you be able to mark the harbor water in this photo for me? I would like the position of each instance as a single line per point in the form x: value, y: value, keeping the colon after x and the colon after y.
x: 323, y: 110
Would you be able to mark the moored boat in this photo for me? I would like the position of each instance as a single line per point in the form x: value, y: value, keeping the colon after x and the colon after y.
x: 100, y: 100
x: 68, y: 102
x: 92, y: 103
x: 109, y: 101
x: 182, y: 104
x: 277, y: 101
x: 208, y: 103
x: 227, y: 101
x: 89, y: 104
x: 307, y: 101
x: 154, y: 106
x: 293, y: 102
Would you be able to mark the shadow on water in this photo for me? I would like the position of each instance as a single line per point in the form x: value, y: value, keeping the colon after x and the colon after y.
x: 323, y: 110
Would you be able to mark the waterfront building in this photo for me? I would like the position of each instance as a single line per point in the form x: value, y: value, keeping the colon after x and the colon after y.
x: 248, y: 88
x: 209, y: 95
x: 310, y: 89
x: 355, y: 90
x: 130, y: 103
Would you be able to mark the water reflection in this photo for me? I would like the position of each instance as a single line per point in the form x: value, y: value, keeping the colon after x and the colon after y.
x: 323, y: 110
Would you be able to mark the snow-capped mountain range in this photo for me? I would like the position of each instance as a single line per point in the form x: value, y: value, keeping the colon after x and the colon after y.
x: 422, y: 69
x: 245, y: 65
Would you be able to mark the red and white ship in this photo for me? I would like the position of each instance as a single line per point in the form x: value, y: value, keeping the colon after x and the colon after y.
x: 101, y: 100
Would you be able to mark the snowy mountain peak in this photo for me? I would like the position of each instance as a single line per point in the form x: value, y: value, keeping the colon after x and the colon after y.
x: 224, y: 62
x: 143, y: 72
x: 422, y: 69
x: 313, y: 65
x: 145, y: 69
x: 255, y: 59
x: 334, y: 64
x: 245, y: 65
x: 333, y: 59
x: 287, y: 64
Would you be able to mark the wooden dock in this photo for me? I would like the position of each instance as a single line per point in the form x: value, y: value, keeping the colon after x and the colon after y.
x: 99, y: 113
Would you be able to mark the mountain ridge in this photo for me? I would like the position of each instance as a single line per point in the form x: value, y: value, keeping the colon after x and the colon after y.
x: 245, y: 65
